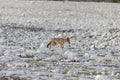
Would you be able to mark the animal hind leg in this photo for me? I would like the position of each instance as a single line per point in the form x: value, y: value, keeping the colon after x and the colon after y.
x: 52, y: 46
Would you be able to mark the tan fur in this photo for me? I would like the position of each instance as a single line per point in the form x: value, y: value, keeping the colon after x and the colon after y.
x: 60, y: 41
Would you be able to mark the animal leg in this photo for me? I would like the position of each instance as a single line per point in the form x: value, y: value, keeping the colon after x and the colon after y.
x: 62, y: 46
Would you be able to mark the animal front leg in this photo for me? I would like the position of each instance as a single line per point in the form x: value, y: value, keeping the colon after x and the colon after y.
x: 62, y: 46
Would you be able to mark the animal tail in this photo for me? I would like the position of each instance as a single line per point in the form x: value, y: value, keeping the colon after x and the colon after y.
x: 48, y: 44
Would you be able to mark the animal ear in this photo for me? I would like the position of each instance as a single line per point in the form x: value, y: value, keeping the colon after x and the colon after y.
x: 65, y: 36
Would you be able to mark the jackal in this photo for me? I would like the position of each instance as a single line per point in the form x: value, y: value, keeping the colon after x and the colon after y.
x: 60, y: 41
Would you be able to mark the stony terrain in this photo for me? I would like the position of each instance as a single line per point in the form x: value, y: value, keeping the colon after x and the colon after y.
x: 27, y: 26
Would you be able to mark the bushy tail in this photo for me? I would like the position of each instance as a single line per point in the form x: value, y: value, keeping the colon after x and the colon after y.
x: 48, y: 44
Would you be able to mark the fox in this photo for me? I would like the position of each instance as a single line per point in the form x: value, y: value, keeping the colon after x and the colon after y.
x: 59, y: 41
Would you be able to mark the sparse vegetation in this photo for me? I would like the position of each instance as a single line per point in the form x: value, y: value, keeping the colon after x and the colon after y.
x: 2, y: 78
x: 26, y: 56
x: 47, y: 75
x: 114, y: 1
x: 12, y: 78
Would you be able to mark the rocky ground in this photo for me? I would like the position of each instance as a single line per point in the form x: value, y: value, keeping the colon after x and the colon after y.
x: 26, y: 27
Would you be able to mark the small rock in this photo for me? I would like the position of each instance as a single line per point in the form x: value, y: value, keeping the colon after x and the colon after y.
x: 113, y: 30
x: 70, y: 55
x: 98, y: 77
x: 102, y: 45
